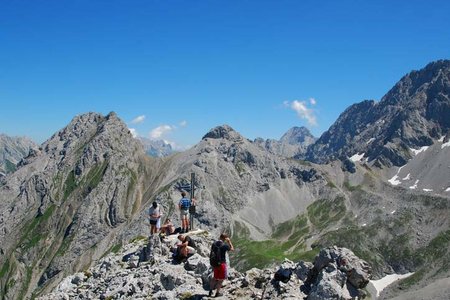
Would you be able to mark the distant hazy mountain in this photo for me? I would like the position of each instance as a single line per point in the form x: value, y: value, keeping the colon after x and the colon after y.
x: 293, y: 143
x: 413, y: 114
x: 156, y: 148
x: 12, y: 150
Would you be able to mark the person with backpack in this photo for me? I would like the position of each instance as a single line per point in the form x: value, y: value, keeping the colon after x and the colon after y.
x: 184, y: 204
x: 217, y: 259
x: 154, y: 214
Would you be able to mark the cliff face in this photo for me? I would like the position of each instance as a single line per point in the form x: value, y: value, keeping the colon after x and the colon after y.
x: 65, y: 204
x: 413, y: 114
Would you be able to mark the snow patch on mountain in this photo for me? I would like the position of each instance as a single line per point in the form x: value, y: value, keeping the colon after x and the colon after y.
x: 417, y: 151
x: 413, y: 187
x: 394, y: 180
x: 375, y: 287
x: 357, y: 157
x: 427, y: 190
x: 445, y: 145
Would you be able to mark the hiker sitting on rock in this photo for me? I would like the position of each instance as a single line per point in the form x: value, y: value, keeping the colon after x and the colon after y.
x: 168, y: 228
x: 186, y: 247
x: 155, y: 217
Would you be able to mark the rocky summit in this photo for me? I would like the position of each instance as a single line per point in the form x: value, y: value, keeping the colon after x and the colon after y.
x: 145, y: 269
x: 66, y: 203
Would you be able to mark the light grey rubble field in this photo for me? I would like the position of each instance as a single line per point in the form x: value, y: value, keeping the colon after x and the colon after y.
x: 144, y: 269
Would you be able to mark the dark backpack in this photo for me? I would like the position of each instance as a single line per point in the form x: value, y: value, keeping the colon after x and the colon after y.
x: 215, y: 258
x: 283, y: 275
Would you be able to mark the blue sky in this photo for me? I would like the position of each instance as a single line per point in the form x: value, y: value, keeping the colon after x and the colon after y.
x: 187, y: 66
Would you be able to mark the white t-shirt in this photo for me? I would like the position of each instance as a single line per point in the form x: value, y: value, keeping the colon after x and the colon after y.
x: 154, y: 211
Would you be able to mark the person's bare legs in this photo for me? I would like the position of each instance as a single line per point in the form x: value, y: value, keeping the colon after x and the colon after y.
x: 218, y: 286
x: 185, y: 224
x: 212, y: 285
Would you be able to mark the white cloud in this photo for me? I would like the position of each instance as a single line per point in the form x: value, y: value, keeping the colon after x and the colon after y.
x: 133, y: 132
x: 183, y: 123
x: 138, y: 119
x: 303, y: 111
x: 160, y: 131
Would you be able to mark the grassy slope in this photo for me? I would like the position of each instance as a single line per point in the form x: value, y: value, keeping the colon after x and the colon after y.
x: 388, y: 241
x: 289, y: 239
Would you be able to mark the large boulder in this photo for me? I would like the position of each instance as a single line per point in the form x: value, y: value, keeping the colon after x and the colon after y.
x: 337, y: 273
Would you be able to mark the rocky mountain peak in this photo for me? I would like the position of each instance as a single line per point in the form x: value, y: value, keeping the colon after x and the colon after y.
x: 432, y: 80
x: 70, y: 196
x: 293, y: 143
x: 413, y: 114
x: 223, y: 132
x: 297, y: 135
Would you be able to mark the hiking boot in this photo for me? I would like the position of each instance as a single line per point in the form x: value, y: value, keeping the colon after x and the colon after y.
x: 210, y: 293
x: 187, y: 230
x: 218, y: 295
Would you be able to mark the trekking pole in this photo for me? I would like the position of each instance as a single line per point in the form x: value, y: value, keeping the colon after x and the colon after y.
x: 192, y: 207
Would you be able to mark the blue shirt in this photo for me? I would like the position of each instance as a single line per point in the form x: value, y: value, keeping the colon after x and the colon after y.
x: 185, y: 203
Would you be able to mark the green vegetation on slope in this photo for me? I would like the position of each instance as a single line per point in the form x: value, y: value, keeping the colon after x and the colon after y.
x: 436, y: 253
x: 5, y: 269
x: 32, y: 232
x: 323, y: 212
x: 10, y: 167
x: 260, y: 254
x: 95, y: 175
x: 69, y: 185
x: 288, y: 239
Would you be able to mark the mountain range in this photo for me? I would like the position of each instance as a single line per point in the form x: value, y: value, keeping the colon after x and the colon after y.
x: 156, y: 148
x: 413, y: 114
x: 377, y: 182
x: 294, y: 142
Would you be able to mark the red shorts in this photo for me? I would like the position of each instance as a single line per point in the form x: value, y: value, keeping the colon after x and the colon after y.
x: 220, y: 272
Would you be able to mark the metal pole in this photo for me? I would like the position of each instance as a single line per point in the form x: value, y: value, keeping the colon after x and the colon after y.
x: 192, y: 211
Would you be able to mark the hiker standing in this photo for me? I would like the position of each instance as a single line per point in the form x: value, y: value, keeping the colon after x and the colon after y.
x: 155, y: 215
x: 218, y: 262
x: 184, y: 206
